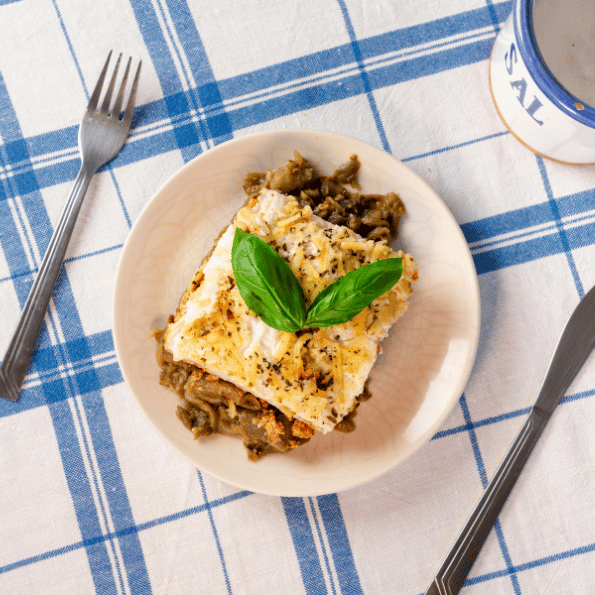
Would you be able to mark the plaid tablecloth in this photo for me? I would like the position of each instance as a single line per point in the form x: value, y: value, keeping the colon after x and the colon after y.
x: 91, y: 501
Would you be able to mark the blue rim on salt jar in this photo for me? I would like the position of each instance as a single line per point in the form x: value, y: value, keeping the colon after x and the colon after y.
x: 531, y: 101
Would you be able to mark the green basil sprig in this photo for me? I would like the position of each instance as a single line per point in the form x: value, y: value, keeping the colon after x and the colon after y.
x: 270, y: 289
x: 349, y: 295
x: 267, y: 283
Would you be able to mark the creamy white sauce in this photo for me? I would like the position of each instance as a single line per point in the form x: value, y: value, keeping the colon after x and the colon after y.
x: 217, y: 270
x: 264, y: 339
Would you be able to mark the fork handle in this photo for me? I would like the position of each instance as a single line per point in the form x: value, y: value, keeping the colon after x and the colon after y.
x: 16, y: 361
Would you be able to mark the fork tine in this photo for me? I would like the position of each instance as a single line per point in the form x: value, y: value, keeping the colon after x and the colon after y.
x: 130, y: 105
x: 110, y: 89
x: 97, y: 91
x: 120, y: 98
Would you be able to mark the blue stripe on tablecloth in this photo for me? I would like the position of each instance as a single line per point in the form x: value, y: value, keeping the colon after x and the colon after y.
x: 336, y: 532
x: 103, y: 446
x: 474, y: 443
x: 215, y: 533
x: 545, y: 220
x: 506, y: 416
x: 175, y: 100
x: 207, y: 92
x: 507, y: 559
x: 48, y: 365
x: 587, y: 549
x: 14, y: 148
x: 98, y: 445
x: 13, y: 250
x: 347, y: 69
x: 87, y: 448
x: 432, y: 31
x: 535, y: 249
x: 507, y: 223
x: 325, y: 556
x: 351, y: 86
x: 560, y: 227
x: 516, y: 220
x: 484, y: 483
x: 304, y: 545
x: 364, y: 76
x: 453, y: 147
x: 371, y: 47
x: 14, y: 276
x: 97, y: 442
x: 494, y: 15
x: 180, y: 99
x: 71, y: 48
x: 189, y: 94
x: 80, y: 489
x: 75, y: 368
x: 33, y: 396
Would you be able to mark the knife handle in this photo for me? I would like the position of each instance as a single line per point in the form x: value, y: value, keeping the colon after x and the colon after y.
x: 457, y: 564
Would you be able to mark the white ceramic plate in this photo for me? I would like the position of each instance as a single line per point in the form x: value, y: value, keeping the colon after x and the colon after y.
x: 415, y: 383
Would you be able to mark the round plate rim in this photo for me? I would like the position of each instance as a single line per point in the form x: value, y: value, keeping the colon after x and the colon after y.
x: 312, y: 135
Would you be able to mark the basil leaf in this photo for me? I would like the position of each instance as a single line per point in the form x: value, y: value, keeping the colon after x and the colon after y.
x: 349, y: 295
x: 267, y: 283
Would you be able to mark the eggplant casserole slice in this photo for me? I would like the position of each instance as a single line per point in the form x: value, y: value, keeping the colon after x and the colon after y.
x: 274, y: 389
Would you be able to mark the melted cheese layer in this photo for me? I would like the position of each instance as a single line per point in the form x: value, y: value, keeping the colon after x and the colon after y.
x: 314, y: 375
